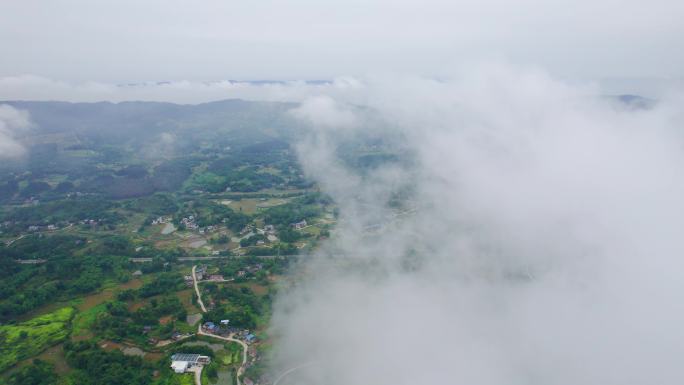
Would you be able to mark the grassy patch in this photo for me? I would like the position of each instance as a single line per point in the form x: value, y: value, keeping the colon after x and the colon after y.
x: 253, y: 205
x: 27, y: 339
x: 185, y: 297
x: 313, y: 230
x: 84, y: 319
x: 186, y: 379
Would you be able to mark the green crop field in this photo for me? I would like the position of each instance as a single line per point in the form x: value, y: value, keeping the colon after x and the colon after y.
x: 26, y: 339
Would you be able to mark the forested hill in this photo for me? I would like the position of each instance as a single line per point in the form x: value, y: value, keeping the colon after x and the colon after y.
x: 119, y: 120
x: 137, y: 148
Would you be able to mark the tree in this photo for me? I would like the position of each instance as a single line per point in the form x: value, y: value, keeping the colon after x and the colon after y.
x: 38, y: 373
x: 212, y: 373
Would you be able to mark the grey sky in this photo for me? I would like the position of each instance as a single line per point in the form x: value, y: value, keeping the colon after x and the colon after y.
x: 132, y: 41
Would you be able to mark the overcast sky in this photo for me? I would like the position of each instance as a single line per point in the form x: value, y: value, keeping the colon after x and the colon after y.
x: 157, y: 40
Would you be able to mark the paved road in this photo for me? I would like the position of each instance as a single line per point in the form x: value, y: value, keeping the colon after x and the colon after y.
x: 241, y: 369
x: 199, y: 296
x: 186, y: 259
x: 9, y: 243
x: 198, y: 374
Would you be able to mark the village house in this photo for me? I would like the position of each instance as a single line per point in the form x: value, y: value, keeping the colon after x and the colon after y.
x: 299, y: 225
x: 210, y: 327
x: 188, y: 280
x: 255, y: 268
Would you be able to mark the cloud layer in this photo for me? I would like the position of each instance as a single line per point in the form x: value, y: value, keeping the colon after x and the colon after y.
x: 128, y: 40
x: 32, y: 87
x: 537, y: 240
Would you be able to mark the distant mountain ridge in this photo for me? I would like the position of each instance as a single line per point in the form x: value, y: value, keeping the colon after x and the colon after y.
x: 633, y: 101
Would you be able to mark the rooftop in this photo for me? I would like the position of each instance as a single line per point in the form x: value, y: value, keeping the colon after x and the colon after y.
x: 185, y: 357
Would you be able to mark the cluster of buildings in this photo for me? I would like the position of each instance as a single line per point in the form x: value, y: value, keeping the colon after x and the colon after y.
x: 190, y: 223
x: 34, y: 228
x: 50, y: 227
x: 224, y: 329
x: 201, y: 274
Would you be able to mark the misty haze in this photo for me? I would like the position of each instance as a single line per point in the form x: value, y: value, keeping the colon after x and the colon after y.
x: 341, y: 193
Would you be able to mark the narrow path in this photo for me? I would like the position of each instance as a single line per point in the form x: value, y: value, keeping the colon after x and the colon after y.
x: 241, y: 369
x: 198, y: 375
x: 199, y: 296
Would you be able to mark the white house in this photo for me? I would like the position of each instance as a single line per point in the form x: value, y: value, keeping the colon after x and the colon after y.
x: 181, y: 362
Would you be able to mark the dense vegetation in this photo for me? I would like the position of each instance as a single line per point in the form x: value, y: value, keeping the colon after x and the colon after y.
x: 72, y: 267
x: 94, y: 366
x: 38, y: 373
x: 118, y: 323
x: 97, y: 219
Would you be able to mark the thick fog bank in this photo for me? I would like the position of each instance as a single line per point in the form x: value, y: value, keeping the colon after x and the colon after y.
x: 529, y: 233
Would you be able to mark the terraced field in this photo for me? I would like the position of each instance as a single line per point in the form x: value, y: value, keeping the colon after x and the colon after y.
x: 29, y: 338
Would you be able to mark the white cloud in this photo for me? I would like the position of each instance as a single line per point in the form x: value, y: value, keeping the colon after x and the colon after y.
x: 12, y: 122
x: 324, y: 112
x: 544, y: 247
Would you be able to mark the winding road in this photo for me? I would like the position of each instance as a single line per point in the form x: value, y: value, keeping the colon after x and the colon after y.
x: 288, y: 371
x: 241, y: 369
